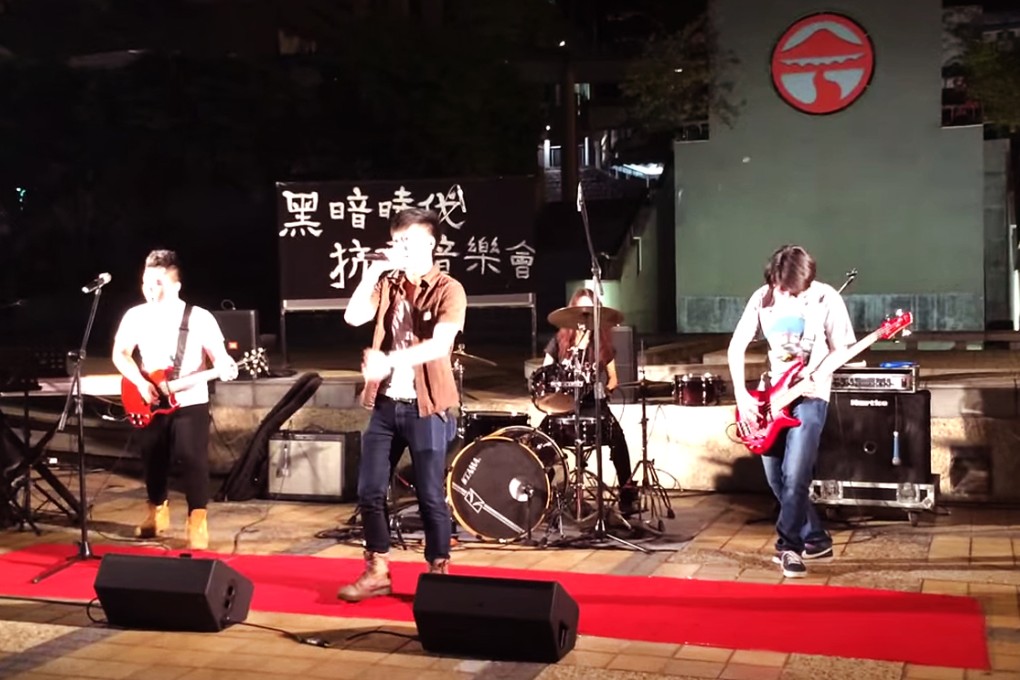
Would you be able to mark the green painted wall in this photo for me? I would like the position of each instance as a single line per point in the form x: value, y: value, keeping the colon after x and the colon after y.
x: 879, y: 186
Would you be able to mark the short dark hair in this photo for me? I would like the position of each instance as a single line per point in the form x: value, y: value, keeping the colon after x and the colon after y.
x: 166, y: 259
x: 405, y: 218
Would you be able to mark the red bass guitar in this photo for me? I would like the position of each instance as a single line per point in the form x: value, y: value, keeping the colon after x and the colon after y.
x: 760, y: 432
x: 140, y: 413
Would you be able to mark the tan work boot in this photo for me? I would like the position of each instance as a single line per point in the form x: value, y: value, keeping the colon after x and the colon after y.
x: 198, y: 530
x: 157, y: 520
x: 441, y: 566
x: 373, y: 582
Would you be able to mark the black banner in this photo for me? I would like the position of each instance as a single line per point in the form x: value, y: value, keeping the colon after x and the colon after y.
x: 487, y: 236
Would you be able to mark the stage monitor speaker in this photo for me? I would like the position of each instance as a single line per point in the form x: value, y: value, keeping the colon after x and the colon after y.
x: 171, y: 593
x: 877, y: 437
x: 240, y: 330
x: 314, y: 466
x: 626, y: 362
x: 499, y: 619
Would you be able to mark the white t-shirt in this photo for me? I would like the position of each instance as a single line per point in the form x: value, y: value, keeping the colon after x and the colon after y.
x: 805, y: 328
x: 154, y: 329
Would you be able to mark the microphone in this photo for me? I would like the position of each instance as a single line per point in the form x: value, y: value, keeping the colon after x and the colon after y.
x: 97, y: 283
x: 375, y: 256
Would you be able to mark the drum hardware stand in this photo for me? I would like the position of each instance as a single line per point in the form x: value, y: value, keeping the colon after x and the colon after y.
x: 653, y: 488
x: 75, y: 394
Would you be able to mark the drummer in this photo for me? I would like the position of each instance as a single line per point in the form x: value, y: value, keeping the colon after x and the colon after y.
x: 575, y: 345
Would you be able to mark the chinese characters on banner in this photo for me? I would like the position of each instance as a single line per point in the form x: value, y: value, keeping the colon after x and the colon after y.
x: 325, y: 229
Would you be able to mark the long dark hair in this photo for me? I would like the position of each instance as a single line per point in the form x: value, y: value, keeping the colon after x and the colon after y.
x: 565, y: 336
x: 791, y: 268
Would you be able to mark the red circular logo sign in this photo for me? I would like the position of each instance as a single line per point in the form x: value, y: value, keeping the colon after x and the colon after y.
x: 822, y: 63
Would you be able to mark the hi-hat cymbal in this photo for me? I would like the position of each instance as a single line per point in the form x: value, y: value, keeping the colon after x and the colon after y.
x: 576, y: 317
x: 459, y: 353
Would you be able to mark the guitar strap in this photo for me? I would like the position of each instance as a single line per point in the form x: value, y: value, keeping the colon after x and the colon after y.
x: 182, y: 340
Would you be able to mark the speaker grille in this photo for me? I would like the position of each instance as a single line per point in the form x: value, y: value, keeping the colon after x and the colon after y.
x: 863, y: 430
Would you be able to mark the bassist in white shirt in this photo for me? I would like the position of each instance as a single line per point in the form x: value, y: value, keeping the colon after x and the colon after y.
x: 804, y: 321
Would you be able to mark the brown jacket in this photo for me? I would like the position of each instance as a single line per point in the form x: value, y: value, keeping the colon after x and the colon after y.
x: 438, y: 298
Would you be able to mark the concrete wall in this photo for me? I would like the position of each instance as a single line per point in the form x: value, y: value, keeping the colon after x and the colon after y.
x: 879, y: 186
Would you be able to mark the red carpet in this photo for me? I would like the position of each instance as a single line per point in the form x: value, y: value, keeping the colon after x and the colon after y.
x: 935, y: 630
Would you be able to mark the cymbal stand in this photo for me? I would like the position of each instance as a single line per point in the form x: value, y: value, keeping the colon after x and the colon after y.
x: 650, y: 484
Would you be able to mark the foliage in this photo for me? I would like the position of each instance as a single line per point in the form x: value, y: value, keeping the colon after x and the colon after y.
x: 992, y: 74
x: 682, y: 77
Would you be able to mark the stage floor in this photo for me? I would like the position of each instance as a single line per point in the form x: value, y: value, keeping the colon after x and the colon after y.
x: 958, y: 550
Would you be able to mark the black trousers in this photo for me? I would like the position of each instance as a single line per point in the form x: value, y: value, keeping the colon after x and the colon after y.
x: 180, y: 437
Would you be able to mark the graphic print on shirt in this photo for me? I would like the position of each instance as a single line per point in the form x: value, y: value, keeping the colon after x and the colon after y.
x: 786, y: 337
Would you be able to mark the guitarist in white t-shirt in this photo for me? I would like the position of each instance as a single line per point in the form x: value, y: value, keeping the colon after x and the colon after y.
x: 156, y: 332
x: 803, y: 321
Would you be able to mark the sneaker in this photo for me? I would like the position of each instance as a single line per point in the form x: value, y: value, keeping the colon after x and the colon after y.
x: 817, y: 552
x: 793, y: 566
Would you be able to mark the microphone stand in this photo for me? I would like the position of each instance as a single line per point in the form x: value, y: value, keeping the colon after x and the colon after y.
x: 600, y: 531
x: 84, y: 549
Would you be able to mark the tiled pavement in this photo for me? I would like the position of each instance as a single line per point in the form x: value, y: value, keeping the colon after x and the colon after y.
x: 961, y: 550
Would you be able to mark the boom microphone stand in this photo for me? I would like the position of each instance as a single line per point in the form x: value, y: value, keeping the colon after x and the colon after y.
x: 75, y: 394
x: 600, y: 533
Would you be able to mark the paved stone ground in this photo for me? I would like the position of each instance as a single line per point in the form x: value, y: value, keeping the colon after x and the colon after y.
x: 957, y: 550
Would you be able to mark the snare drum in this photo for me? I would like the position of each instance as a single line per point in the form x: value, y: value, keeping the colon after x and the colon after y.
x: 477, y: 424
x: 501, y: 485
x: 556, y: 388
x: 564, y: 430
x: 697, y: 390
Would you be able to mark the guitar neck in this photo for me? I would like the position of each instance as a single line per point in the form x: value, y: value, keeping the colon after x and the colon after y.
x: 192, y: 380
x: 829, y: 364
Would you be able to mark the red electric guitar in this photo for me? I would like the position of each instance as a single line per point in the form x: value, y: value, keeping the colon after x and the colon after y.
x: 140, y: 413
x: 758, y: 434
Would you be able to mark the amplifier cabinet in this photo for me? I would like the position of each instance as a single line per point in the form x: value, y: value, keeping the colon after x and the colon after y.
x: 314, y: 466
x: 240, y: 330
x: 875, y: 449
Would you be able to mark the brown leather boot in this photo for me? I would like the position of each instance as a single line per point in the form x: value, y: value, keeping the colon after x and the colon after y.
x: 157, y: 520
x: 441, y: 566
x: 373, y: 582
x: 198, y: 530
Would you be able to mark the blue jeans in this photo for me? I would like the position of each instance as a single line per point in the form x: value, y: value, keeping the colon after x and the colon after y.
x: 789, y: 468
x: 395, y: 426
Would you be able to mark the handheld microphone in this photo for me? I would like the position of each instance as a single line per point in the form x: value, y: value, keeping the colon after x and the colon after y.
x: 375, y: 256
x: 97, y: 283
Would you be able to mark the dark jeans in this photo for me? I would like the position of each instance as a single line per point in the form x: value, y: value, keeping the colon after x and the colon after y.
x: 789, y: 467
x: 183, y: 437
x: 395, y: 426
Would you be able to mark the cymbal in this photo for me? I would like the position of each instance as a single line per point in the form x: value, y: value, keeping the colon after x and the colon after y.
x: 575, y: 317
x: 459, y: 353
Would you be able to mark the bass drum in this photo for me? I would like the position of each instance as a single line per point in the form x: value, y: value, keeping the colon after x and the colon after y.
x: 501, y: 485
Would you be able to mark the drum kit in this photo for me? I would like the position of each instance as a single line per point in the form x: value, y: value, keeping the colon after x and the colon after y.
x: 506, y: 478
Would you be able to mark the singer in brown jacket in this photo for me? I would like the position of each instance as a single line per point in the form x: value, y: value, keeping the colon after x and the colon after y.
x: 410, y: 387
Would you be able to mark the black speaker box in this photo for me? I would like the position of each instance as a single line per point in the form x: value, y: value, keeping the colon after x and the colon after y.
x: 626, y: 362
x: 865, y: 432
x: 171, y: 593
x: 495, y: 618
x: 240, y: 330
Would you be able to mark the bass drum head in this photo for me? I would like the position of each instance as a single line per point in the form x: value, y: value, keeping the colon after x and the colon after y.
x: 488, y: 488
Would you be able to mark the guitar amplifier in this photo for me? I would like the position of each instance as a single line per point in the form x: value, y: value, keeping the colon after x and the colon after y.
x: 240, y: 330
x: 314, y: 466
